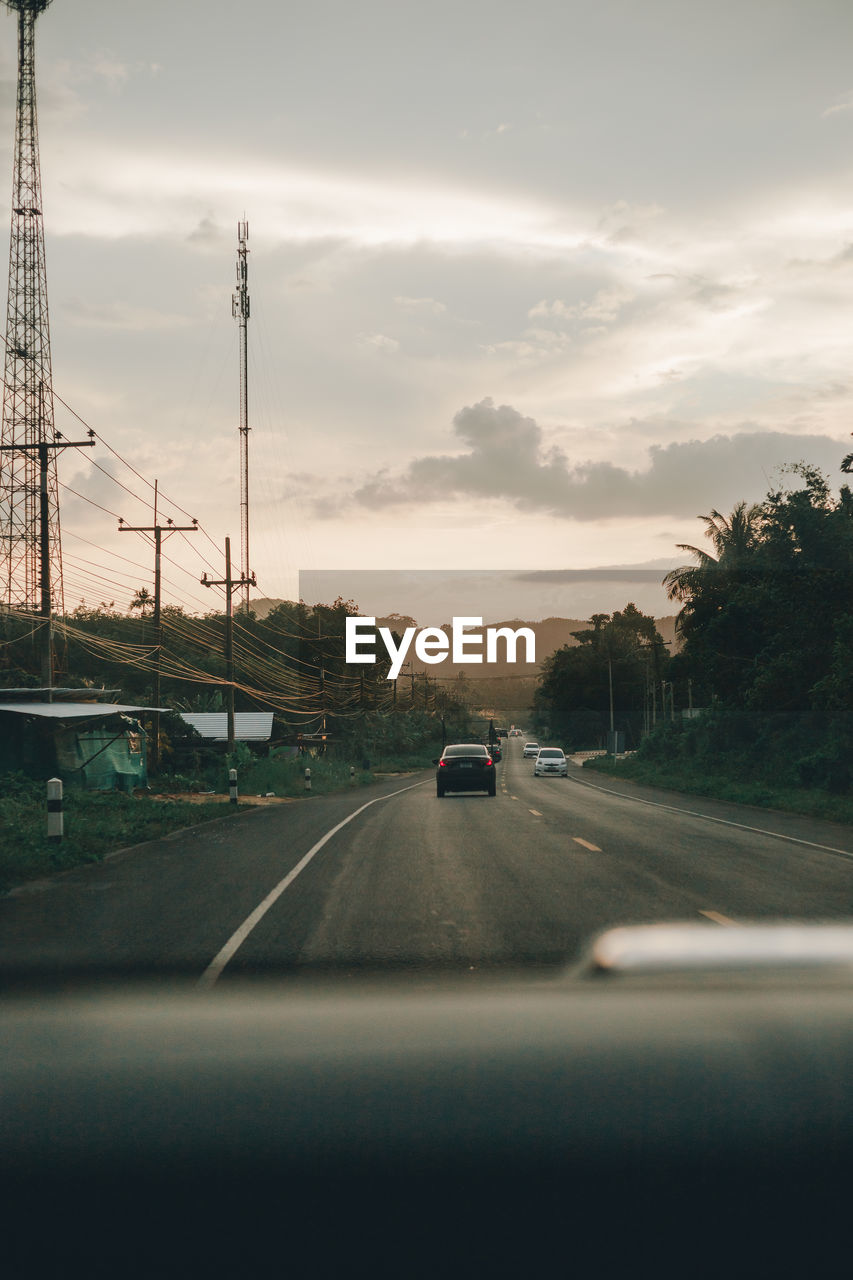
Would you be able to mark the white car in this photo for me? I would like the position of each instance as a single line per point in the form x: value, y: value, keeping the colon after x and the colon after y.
x: 550, y: 760
x: 531, y: 749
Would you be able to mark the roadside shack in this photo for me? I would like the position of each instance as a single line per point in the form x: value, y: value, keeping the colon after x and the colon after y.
x: 78, y: 736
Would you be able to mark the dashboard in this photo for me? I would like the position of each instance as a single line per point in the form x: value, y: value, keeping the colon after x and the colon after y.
x: 668, y: 1121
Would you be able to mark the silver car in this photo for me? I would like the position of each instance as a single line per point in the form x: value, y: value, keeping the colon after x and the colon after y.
x: 551, y: 761
x: 531, y: 750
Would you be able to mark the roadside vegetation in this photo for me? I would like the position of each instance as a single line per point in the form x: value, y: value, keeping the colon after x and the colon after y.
x: 757, y: 704
x: 678, y: 758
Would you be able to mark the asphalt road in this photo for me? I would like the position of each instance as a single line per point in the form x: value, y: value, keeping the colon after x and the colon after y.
x: 470, y: 882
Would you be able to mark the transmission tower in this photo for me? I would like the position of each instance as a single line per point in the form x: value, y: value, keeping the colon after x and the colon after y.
x: 240, y: 311
x: 27, y: 430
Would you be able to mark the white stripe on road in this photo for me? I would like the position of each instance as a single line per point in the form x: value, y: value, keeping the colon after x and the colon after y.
x: 237, y: 939
x: 726, y: 822
x: 593, y: 848
x: 535, y: 813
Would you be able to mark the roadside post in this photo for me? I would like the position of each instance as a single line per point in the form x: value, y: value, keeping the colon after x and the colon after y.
x: 352, y: 775
x: 232, y: 785
x: 55, y: 814
x: 307, y: 779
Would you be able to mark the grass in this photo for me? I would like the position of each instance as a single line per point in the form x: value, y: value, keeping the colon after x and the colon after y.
x: 95, y: 824
x: 677, y: 775
x: 287, y: 777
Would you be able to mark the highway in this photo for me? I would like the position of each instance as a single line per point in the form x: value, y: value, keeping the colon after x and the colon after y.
x: 391, y: 876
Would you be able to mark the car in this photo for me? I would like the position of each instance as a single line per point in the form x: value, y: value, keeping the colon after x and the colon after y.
x: 495, y: 751
x: 515, y: 733
x: 551, y: 760
x: 465, y: 766
x: 531, y: 750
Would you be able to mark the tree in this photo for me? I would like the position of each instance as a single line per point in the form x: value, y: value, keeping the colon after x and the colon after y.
x: 622, y: 653
x: 143, y: 601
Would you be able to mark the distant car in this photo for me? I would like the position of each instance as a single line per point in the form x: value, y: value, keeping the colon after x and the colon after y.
x: 515, y: 733
x: 531, y: 750
x: 495, y: 751
x: 465, y: 766
x: 501, y: 733
x: 551, y: 760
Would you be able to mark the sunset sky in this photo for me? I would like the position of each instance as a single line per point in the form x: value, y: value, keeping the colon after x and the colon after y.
x: 533, y: 285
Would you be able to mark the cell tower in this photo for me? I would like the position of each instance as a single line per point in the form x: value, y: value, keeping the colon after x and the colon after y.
x: 240, y: 311
x: 28, y: 523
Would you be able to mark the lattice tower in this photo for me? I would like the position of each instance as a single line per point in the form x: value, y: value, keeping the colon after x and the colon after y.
x: 28, y: 386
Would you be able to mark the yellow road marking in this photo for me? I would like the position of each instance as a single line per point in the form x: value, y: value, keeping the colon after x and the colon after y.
x: 593, y: 848
x: 716, y: 917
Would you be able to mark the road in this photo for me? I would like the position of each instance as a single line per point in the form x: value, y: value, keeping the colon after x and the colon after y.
x: 392, y: 876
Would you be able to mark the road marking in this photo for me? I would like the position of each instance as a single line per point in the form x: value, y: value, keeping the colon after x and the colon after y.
x: 593, y: 848
x: 716, y: 917
x: 535, y: 812
x: 725, y: 822
x: 237, y: 939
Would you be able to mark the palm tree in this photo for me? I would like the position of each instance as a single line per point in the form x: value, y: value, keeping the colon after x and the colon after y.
x: 143, y: 601
x: 734, y: 539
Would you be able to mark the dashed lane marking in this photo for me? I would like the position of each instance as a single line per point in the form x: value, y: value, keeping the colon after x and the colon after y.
x: 716, y: 917
x: 535, y: 813
x: 593, y: 848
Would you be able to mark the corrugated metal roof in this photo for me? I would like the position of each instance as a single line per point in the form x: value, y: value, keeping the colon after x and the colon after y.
x: 72, y: 710
x: 249, y: 726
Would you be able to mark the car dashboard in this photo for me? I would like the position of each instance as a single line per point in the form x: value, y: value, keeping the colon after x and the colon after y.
x: 629, y: 1113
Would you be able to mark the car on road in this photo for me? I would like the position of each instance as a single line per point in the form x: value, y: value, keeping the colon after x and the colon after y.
x: 465, y: 766
x: 551, y: 760
x: 531, y: 750
x: 495, y: 751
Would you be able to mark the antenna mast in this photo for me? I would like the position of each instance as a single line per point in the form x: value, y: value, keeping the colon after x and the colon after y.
x: 240, y: 310
x: 29, y: 497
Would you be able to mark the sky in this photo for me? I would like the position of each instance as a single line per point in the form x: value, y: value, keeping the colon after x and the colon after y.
x: 533, y: 286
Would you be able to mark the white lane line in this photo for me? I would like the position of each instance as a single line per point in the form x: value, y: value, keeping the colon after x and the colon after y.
x: 237, y: 939
x: 725, y: 822
x: 593, y: 848
x: 535, y: 813
x: 716, y: 917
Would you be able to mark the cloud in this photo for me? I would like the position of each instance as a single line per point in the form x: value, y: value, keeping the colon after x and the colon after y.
x: 379, y: 342
x: 421, y: 306
x: 507, y: 460
x: 121, y: 315
x: 604, y: 307
x: 843, y: 103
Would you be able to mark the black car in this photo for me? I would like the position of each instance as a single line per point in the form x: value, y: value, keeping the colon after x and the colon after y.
x: 495, y: 751
x: 465, y: 766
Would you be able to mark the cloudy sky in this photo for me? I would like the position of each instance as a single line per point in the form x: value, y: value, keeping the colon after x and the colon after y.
x: 533, y: 285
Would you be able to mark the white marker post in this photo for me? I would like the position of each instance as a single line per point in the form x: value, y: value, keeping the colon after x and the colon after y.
x: 307, y: 779
x: 55, y: 814
x: 232, y: 785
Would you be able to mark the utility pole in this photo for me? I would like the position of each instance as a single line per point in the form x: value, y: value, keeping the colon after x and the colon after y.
x: 158, y: 530
x: 229, y: 584
x: 240, y: 312
x: 43, y: 448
